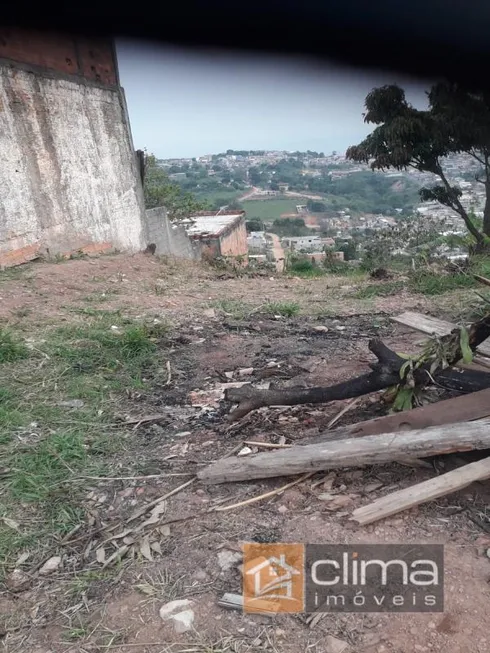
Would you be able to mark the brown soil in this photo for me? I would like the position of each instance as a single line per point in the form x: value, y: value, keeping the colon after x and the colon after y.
x: 120, y: 612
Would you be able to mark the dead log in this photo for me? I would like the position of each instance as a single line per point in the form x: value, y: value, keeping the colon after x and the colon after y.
x: 352, y: 452
x: 385, y: 373
x: 423, y: 492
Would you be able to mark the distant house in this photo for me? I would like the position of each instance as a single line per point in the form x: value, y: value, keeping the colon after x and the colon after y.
x: 303, y: 243
x: 257, y: 242
x: 218, y: 234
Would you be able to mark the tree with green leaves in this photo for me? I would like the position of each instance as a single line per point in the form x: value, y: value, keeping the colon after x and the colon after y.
x: 456, y: 121
x: 160, y: 191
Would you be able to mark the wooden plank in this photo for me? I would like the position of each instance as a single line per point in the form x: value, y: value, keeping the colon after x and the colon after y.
x: 428, y: 324
x: 465, y: 408
x: 423, y: 492
x: 352, y: 452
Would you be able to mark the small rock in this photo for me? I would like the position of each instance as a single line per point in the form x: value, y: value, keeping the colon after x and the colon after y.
x: 17, y: 581
x: 335, y: 645
x: 180, y: 613
x: 182, y: 434
x: 209, y: 312
x: 321, y: 329
x: 339, y: 501
x: 282, y: 509
x: 229, y: 375
x: 228, y: 559
x: 50, y: 565
x: 272, y: 364
x: 340, y: 328
x: 72, y: 403
x: 245, y: 451
x: 326, y: 496
x: 371, y: 639
x: 200, y: 574
x: 372, y: 487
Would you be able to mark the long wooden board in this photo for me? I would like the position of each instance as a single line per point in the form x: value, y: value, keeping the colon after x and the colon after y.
x: 423, y: 492
x: 465, y: 408
x: 428, y: 324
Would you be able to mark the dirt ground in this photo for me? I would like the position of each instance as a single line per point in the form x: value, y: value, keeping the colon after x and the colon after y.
x: 225, y: 329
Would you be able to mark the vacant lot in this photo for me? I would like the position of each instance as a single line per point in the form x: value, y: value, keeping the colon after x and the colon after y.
x: 111, y: 372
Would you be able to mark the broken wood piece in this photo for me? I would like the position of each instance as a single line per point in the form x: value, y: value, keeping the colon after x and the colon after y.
x: 344, y: 410
x: 266, y: 495
x: 434, y: 488
x: 268, y: 445
x: 428, y: 324
x: 481, y: 279
x: 235, y: 602
x: 465, y: 408
x: 352, y: 452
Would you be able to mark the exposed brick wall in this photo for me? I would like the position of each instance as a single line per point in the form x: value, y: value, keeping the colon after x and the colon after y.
x: 234, y: 242
x: 92, y: 59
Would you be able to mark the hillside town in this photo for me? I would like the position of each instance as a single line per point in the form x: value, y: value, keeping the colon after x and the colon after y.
x: 306, y: 191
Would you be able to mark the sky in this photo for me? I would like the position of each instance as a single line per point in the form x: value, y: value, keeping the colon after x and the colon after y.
x: 187, y: 104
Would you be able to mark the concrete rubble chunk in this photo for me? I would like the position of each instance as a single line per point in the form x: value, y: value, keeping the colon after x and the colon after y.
x: 180, y: 613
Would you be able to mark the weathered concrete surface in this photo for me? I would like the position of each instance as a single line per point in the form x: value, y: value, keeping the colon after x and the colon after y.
x: 170, y: 239
x: 68, y: 172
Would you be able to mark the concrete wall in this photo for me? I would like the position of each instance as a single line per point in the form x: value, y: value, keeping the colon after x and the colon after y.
x: 68, y: 172
x: 234, y: 242
x: 170, y: 240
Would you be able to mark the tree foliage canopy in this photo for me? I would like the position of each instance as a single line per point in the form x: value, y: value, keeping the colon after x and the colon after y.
x: 160, y: 191
x: 456, y: 121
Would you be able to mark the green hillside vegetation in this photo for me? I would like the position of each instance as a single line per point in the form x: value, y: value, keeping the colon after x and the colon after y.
x: 269, y: 209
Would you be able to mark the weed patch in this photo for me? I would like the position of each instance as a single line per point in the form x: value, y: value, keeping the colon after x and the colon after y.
x: 379, y: 290
x: 56, y: 412
x: 11, y: 348
x: 286, y: 309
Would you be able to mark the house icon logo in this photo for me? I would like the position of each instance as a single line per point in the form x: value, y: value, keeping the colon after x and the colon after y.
x: 273, y: 577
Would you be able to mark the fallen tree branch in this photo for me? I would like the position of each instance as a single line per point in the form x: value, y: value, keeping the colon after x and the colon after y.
x: 352, y: 452
x: 385, y: 373
x: 423, y: 492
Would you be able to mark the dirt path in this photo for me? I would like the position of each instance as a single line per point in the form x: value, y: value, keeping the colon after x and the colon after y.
x: 222, y: 330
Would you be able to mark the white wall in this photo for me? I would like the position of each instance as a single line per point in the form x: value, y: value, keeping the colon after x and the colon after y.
x: 68, y: 173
